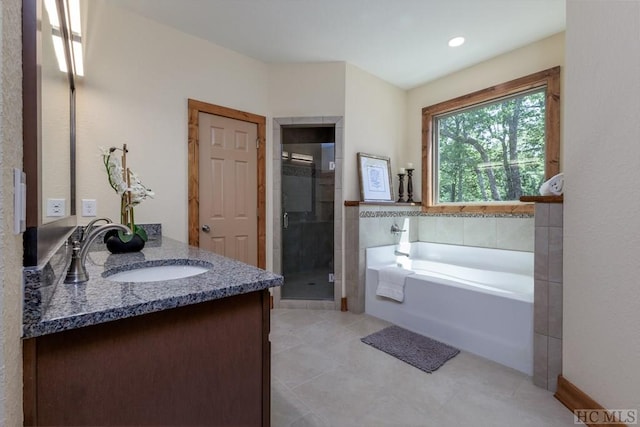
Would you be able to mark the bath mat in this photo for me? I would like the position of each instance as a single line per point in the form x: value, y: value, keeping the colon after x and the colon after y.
x: 416, y: 350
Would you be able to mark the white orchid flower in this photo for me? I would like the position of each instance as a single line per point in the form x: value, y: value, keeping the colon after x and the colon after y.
x: 129, y: 187
x: 117, y: 181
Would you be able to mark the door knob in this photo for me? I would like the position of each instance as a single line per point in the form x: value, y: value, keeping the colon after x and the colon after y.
x: 206, y: 228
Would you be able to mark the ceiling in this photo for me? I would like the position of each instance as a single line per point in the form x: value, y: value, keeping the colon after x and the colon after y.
x: 401, y: 41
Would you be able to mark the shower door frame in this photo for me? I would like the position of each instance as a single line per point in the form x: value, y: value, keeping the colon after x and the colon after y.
x: 337, y: 122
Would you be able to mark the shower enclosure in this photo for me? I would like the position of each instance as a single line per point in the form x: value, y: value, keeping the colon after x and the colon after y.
x: 308, y: 184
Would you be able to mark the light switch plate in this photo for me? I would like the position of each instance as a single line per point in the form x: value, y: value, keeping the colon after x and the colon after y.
x: 19, y: 201
x: 56, y: 207
x: 89, y: 207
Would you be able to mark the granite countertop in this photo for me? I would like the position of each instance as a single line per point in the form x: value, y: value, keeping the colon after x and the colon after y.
x: 101, y: 300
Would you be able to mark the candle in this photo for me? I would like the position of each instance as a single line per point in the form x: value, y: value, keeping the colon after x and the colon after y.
x: 402, y: 170
x: 409, y: 165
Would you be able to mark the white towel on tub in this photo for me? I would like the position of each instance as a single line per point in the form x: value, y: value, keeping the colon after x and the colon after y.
x: 391, y: 282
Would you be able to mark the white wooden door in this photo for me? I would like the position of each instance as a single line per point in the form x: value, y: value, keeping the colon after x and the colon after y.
x: 228, y: 187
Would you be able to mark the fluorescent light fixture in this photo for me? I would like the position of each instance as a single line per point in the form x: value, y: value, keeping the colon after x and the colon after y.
x: 298, y: 157
x: 456, y: 41
x: 74, y: 16
x: 72, y: 13
x: 58, y: 48
x: 52, y: 11
x: 77, y: 58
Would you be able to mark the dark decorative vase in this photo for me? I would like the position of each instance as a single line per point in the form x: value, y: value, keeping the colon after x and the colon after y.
x: 117, y: 246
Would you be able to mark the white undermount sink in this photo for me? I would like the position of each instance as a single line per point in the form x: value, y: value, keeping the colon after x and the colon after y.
x: 157, y: 273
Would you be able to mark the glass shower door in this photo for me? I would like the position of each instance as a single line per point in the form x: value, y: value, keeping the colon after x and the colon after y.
x: 308, y: 182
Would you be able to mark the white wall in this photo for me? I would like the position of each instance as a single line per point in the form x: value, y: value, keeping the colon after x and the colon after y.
x: 10, y: 244
x: 601, y: 333
x: 375, y: 113
x: 306, y: 90
x: 535, y: 57
x: 139, y: 75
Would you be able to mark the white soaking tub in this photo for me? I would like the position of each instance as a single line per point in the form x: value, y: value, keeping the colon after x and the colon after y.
x: 477, y: 299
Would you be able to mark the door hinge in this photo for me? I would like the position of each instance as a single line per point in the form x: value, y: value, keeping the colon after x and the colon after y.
x: 257, y: 143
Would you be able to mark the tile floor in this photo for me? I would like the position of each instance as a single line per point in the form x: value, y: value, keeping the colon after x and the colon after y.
x: 308, y: 285
x: 322, y: 375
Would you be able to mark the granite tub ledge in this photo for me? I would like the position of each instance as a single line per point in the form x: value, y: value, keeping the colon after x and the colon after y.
x: 102, y: 300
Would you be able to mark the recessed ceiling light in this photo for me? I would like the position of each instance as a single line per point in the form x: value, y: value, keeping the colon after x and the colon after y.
x: 456, y: 41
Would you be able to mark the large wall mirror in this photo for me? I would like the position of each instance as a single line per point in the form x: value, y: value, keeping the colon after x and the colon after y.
x: 49, y: 129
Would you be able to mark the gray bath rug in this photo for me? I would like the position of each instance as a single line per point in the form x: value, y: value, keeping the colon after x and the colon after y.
x: 416, y: 350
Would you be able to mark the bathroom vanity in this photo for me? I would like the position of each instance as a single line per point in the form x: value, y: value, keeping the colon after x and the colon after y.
x: 183, y: 351
x: 186, y: 351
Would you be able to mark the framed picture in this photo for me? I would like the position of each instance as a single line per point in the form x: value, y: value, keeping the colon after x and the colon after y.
x: 375, y: 178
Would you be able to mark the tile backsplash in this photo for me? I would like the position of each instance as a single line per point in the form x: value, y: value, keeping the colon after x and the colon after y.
x: 370, y: 226
x: 500, y: 232
x: 487, y: 232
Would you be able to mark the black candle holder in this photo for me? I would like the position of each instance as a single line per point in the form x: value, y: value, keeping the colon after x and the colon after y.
x: 409, y: 186
x: 401, y: 188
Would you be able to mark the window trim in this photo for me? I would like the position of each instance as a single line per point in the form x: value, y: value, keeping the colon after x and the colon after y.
x: 550, y: 78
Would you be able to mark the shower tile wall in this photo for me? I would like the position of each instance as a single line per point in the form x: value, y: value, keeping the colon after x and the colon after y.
x: 369, y: 226
x: 547, y: 316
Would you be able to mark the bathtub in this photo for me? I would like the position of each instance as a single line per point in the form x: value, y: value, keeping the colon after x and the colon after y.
x: 479, y: 300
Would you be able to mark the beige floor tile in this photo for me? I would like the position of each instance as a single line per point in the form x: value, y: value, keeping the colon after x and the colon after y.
x: 540, y: 401
x: 299, y: 364
x: 343, y: 318
x: 285, y: 406
x: 281, y: 340
x: 325, y: 332
x: 309, y: 420
x: 340, y: 396
x: 393, y: 411
x: 325, y: 376
x: 368, y: 325
x: 471, y: 408
x: 294, y: 319
x: 482, y: 375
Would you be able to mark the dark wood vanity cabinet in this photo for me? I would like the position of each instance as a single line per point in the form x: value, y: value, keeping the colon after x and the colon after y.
x: 206, y: 364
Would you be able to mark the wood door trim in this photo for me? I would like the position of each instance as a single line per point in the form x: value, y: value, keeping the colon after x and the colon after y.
x: 196, y: 107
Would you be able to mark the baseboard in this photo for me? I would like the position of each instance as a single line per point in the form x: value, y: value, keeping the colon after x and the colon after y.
x: 343, y: 304
x: 589, y: 412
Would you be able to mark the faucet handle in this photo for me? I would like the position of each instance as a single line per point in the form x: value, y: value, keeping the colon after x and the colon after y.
x: 87, y: 228
x: 396, y: 230
x: 77, y: 272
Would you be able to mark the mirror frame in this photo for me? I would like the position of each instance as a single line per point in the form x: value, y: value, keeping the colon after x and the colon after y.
x: 40, y: 240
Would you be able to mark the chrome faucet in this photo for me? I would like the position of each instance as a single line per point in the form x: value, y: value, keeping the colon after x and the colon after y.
x: 77, y: 272
x: 399, y: 253
x: 88, y: 227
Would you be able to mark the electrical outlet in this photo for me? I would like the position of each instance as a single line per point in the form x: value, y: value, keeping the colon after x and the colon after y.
x: 56, y: 207
x: 89, y: 207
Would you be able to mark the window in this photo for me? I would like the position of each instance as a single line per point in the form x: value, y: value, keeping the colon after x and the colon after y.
x: 484, y: 150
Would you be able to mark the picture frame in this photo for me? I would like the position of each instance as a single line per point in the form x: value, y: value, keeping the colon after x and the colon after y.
x: 374, y: 174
